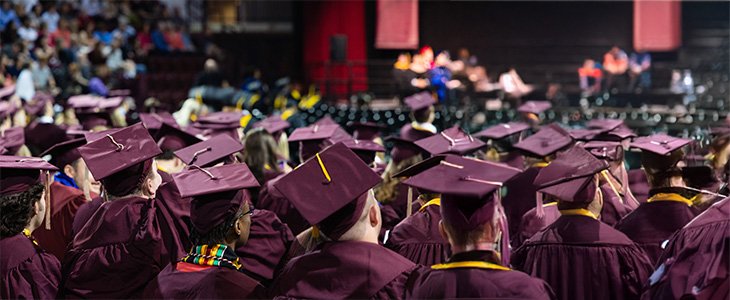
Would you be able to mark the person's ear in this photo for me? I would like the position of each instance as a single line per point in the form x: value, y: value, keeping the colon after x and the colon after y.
x: 373, y: 214
x: 69, y: 170
x: 148, y: 188
x: 238, y: 227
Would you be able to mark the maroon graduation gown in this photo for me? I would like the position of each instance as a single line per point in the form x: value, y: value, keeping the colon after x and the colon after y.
x: 345, y: 270
x: 615, y: 206
x: 84, y: 213
x: 123, y: 246
x: 476, y: 283
x: 520, y: 197
x: 412, y: 134
x: 583, y: 258
x: 188, y: 281
x: 532, y: 224
x: 654, y: 222
x: 65, y: 202
x: 175, y: 208
x: 272, y: 200
x: 400, y: 203
x: 638, y: 184
x: 268, y: 242
x: 27, y: 271
x: 417, y: 238
x: 514, y: 159
x: 697, y: 259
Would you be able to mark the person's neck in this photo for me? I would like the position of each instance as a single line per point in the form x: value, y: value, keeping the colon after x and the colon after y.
x: 481, y: 246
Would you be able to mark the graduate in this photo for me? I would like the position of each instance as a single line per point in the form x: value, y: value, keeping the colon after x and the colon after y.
x: 531, y: 110
x: 539, y: 149
x: 170, y: 138
x: 26, y: 270
x: 276, y: 127
x: 221, y: 219
x: 473, y: 225
x: 417, y: 237
x: 451, y: 141
x: 129, y: 238
x: 501, y: 138
x: 695, y: 262
x: 618, y: 200
x: 422, y: 115
x: 579, y: 256
x: 670, y: 203
x: 391, y: 192
x: 332, y: 191
x: 71, y: 188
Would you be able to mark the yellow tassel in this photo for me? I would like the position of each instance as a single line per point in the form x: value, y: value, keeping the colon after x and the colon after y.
x: 315, y: 232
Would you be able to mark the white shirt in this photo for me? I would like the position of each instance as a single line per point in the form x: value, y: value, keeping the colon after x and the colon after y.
x: 28, y: 34
x: 51, y: 20
x: 24, y: 87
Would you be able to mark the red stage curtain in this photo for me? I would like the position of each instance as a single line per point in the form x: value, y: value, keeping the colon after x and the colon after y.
x: 397, y: 25
x: 657, y: 25
x: 323, y: 19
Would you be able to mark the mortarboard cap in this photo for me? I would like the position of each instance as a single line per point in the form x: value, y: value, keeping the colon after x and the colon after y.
x: 12, y: 139
x: 272, y: 124
x: 91, y: 136
x: 534, y: 107
x: 64, y: 153
x: 421, y: 166
x: 37, y: 105
x: 326, y: 120
x: 617, y: 134
x: 402, y: 149
x: 209, y: 152
x: 153, y: 121
x: 6, y: 109
x: 313, y: 133
x: 548, y: 140
x: 609, y: 150
x: 569, y: 177
x: 118, y: 151
x: 453, y: 140
x: 18, y: 173
x: 217, y: 193
x: 604, y: 125
x: 7, y: 91
x: 221, y: 120
x: 330, y: 189
x: 171, y: 138
x: 365, y: 130
x: 420, y: 101
x: 466, y: 186
x: 41, y: 136
x: 583, y: 134
x: 500, y: 131
x: 660, y: 144
x: 365, y: 149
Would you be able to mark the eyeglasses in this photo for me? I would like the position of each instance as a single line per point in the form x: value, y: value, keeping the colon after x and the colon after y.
x: 250, y: 211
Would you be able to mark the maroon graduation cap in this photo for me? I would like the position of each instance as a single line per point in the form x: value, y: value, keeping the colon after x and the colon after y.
x: 209, y: 152
x: 273, y: 124
x: 501, y: 131
x: 569, y: 177
x: 453, y: 141
x: 64, y: 153
x: 608, y: 150
x: 153, y: 121
x: 660, y: 144
x: 18, y: 174
x: 330, y: 189
x: 604, y: 125
x: 365, y: 149
x: 173, y: 138
x: 365, y: 130
x: 534, y: 107
x: 12, y: 138
x: 548, y: 140
x: 419, y: 101
x: 402, y: 149
x: 217, y: 193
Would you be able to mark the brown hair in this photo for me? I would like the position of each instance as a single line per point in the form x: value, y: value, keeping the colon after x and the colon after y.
x: 387, y: 191
x: 259, y: 152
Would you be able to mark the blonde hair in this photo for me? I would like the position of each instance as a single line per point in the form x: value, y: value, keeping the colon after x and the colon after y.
x: 387, y: 191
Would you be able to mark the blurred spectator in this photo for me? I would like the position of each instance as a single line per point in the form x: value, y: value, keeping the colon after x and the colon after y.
x: 144, y: 40
x: 27, y: 32
x: 10, y: 34
x: 92, y: 8
x: 35, y: 15
x: 210, y: 76
x: 42, y: 77
x: 97, y: 85
x: 102, y: 34
x: 62, y: 36
x: 639, y: 74
x: 114, y: 56
x: 51, y: 18
x: 7, y: 15
x: 441, y: 77
x: 124, y: 31
x: 513, y: 85
x: 24, y: 87
x: 615, y: 63
x: 173, y: 38
x: 158, y: 38
x: 590, y: 78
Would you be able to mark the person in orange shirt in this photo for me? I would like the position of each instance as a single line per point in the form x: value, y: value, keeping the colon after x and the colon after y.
x: 590, y: 78
x: 615, y: 63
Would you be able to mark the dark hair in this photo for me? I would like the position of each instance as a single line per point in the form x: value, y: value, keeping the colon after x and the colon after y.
x: 16, y: 210
x: 421, y: 115
x: 462, y: 237
x: 217, y: 235
x: 166, y: 155
x: 259, y: 151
